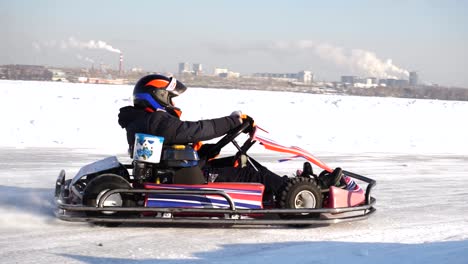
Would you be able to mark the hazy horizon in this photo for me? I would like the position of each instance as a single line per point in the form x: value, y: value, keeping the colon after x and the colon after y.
x: 365, y: 38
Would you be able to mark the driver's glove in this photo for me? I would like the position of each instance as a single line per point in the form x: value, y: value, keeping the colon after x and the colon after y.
x: 238, y: 115
x: 246, y: 118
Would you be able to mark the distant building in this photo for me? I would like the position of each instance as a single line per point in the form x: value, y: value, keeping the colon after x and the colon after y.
x: 392, y: 82
x: 82, y: 79
x: 137, y: 70
x: 291, y: 77
x: 305, y: 77
x: 197, y: 69
x: 373, y: 80
x: 229, y: 74
x: 413, y: 78
x: 347, y: 79
x: 365, y: 82
x: 58, y: 75
x: 184, y: 67
x: 2, y: 72
x: 401, y: 83
x: 218, y: 71
x: 359, y: 82
x: 388, y: 82
x: 225, y: 73
x: 102, y: 80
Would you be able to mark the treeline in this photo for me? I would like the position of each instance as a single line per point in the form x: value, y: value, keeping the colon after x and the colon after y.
x: 420, y: 92
x: 25, y: 72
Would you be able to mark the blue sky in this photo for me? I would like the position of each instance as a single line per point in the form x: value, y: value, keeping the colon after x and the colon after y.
x: 330, y: 38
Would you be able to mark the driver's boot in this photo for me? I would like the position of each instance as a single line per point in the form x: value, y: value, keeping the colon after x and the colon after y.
x: 306, y: 170
x: 331, y: 179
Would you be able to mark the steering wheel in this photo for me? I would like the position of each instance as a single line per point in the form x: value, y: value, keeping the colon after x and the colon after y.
x: 229, y: 137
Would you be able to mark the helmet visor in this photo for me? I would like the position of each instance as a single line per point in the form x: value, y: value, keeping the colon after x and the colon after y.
x: 175, y: 87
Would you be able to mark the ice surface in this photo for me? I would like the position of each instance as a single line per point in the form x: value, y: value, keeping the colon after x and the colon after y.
x: 415, y: 149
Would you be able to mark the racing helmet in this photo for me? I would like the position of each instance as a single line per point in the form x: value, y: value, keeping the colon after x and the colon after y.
x: 156, y: 92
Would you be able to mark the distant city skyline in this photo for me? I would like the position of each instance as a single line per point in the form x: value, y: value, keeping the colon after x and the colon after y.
x: 363, y: 38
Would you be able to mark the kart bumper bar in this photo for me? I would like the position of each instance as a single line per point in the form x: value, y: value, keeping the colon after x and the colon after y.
x: 230, y: 218
x: 230, y: 215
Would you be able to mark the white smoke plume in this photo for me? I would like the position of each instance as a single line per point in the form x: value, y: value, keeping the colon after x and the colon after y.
x: 356, y: 60
x: 73, y: 43
x: 39, y: 46
x: 92, y: 44
x: 83, y: 58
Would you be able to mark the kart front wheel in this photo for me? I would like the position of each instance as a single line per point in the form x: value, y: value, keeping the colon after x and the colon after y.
x: 300, y: 193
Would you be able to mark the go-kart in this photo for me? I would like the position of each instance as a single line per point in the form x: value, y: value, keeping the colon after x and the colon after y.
x: 111, y: 193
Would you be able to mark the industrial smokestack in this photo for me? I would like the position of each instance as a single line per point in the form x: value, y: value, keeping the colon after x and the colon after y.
x: 120, y: 64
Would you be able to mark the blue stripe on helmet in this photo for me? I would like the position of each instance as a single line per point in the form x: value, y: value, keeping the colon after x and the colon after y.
x: 148, y: 98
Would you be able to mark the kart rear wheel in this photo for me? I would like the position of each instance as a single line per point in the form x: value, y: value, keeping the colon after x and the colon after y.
x: 98, y: 186
x: 300, y: 193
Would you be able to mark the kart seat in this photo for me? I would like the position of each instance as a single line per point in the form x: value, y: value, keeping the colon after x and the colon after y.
x: 184, y: 160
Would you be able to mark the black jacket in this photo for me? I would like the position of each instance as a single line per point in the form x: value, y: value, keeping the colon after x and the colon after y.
x: 174, y: 131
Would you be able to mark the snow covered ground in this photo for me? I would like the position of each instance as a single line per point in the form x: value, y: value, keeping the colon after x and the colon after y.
x: 417, y: 151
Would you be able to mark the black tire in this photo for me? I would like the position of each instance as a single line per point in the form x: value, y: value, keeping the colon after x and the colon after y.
x: 59, y: 183
x: 107, y: 182
x: 300, y: 192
